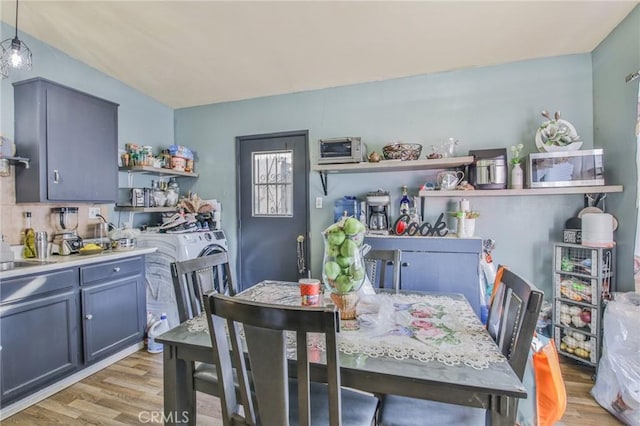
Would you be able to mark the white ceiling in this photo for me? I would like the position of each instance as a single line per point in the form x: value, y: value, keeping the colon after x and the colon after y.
x: 187, y: 53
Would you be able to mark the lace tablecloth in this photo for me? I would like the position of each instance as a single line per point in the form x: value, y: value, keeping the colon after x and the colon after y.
x: 420, y: 326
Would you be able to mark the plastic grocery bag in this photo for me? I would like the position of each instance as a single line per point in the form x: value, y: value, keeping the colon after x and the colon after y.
x: 617, y: 386
x: 546, y: 394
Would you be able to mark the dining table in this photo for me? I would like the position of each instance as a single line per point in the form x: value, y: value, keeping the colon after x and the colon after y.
x: 426, y: 345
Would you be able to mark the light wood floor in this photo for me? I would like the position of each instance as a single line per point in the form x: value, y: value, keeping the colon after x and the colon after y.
x: 130, y: 392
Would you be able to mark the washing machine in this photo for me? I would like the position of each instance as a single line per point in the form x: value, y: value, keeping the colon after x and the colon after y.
x: 173, y: 248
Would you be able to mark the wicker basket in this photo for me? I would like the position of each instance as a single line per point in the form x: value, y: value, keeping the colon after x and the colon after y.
x: 402, y: 151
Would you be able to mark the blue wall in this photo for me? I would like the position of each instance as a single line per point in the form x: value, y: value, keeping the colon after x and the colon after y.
x: 615, y: 109
x: 483, y: 107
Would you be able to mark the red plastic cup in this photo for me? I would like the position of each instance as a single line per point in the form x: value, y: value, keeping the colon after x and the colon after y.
x: 309, y: 291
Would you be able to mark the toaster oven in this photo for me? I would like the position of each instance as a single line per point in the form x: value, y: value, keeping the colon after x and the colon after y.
x: 341, y: 150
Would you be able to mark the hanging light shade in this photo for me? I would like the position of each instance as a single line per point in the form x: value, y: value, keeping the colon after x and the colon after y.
x: 15, y: 53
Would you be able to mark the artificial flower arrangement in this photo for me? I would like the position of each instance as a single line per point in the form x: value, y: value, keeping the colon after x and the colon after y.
x: 466, y: 215
x: 516, y: 152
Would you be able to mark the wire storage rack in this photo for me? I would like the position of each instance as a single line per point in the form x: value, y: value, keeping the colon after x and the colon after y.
x: 584, y: 278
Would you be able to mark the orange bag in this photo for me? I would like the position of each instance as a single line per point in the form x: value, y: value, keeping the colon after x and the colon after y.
x: 496, y: 282
x: 551, y: 395
x: 549, y: 390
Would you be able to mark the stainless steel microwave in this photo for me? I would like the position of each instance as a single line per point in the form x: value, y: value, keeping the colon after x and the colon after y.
x: 341, y: 150
x: 566, y: 168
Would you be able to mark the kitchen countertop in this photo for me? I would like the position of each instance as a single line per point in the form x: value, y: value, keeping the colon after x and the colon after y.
x: 55, y: 262
x: 449, y: 236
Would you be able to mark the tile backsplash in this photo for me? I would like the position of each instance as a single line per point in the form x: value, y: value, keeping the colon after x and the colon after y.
x: 12, y: 220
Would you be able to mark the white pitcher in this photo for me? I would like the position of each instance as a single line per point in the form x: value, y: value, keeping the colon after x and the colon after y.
x: 449, y: 180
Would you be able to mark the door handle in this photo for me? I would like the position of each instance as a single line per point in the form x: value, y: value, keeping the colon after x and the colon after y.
x: 116, y: 269
x: 405, y: 264
x: 88, y: 316
x: 56, y: 177
x: 300, y: 255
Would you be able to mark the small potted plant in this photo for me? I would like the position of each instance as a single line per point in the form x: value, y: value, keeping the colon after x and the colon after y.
x: 466, y: 223
x: 516, y: 171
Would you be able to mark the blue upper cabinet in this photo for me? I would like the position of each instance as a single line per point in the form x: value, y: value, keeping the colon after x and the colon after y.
x: 71, y: 138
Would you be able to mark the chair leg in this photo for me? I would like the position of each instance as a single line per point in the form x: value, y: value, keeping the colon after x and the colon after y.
x: 190, y: 395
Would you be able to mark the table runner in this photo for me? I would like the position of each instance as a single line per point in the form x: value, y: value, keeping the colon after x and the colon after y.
x: 424, y: 327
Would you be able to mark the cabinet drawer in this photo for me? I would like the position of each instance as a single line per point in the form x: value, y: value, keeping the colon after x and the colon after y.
x: 33, y: 285
x: 577, y: 345
x: 569, y: 315
x: 583, y: 260
x: 111, y: 270
x: 577, y: 289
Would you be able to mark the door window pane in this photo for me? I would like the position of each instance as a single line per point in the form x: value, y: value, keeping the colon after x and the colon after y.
x: 273, y: 183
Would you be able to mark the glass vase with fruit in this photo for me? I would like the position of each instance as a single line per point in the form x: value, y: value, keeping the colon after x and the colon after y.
x: 343, y: 270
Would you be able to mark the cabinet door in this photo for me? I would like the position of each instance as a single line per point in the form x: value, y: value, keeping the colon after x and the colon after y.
x: 81, y: 146
x: 39, y: 340
x: 113, y: 316
x: 439, y: 271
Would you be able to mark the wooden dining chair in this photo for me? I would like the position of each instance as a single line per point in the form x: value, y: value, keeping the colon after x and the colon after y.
x: 511, y: 323
x: 192, y: 279
x: 276, y: 399
x: 379, y: 262
x: 195, y: 277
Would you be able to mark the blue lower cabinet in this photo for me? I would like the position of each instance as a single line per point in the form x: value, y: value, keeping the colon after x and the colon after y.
x: 437, y: 264
x: 38, y: 333
x: 57, y: 323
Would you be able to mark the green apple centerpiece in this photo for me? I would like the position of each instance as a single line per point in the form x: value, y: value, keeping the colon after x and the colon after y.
x: 343, y: 267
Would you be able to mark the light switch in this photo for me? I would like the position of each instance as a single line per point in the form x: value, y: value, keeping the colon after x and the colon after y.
x: 318, y: 202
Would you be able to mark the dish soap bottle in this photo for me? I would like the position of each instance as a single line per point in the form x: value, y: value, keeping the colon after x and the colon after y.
x: 29, y: 250
x: 405, y: 202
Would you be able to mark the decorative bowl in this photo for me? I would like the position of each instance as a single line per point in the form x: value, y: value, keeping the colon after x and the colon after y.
x: 85, y: 252
x: 557, y: 135
x: 402, y: 151
x: 122, y: 244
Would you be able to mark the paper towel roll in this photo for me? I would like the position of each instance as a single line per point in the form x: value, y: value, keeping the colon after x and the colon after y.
x: 597, y: 230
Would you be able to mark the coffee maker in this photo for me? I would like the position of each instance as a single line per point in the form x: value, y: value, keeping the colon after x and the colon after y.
x: 378, y: 212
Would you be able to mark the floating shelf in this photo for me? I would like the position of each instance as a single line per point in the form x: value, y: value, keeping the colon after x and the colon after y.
x: 156, y: 171
x: 523, y: 192
x: 394, y: 165
x: 21, y: 160
x: 389, y: 166
x: 145, y: 209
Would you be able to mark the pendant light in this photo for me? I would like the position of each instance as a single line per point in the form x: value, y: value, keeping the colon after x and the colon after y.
x: 15, y: 53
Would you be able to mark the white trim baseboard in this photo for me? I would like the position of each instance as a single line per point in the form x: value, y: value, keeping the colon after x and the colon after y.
x: 66, y: 382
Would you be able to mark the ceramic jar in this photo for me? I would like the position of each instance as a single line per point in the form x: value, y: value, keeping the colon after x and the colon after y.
x: 517, y: 177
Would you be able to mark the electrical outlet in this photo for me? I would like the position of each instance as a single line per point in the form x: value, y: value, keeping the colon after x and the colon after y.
x: 318, y: 202
x: 94, y: 212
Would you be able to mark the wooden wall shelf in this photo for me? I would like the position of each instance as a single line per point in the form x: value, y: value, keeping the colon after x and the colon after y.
x: 523, y: 192
x: 156, y: 171
x: 389, y: 166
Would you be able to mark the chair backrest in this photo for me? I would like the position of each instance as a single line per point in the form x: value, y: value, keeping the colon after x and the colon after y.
x: 193, y: 278
x: 265, y: 336
x: 377, y: 263
x: 513, y: 317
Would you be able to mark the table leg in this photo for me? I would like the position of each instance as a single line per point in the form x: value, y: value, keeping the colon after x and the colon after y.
x: 502, y: 412
x: 179, y: 396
